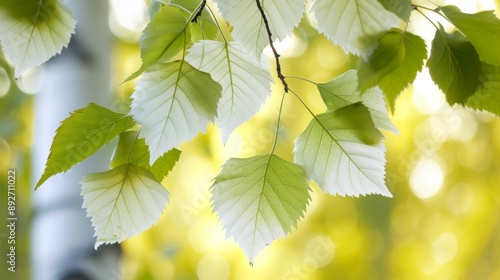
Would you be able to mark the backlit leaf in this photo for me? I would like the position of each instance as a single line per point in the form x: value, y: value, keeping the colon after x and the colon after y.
x: 343, y: 153
x: 249, y: 28
x: 245, y: 85
x: 132, y: 149
x: 33, y: 31
x: 204, y: 28
x: 81, y: 135
x: 388, y: 56
x: 354, y: 25
x: 342, y: 91
x: 159, y: 43
x: 397, y: 80
x: 402, y: 8
x: 122, y: 202
x: 173, y: 102
x: 259, y: 199
x: 488, y: 97
x: 454, y: 66
x: 190, y: 5
x: 481, y: 29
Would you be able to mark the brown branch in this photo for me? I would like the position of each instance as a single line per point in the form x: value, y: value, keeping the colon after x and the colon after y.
x: 200, y: 10
x: 276, y: 54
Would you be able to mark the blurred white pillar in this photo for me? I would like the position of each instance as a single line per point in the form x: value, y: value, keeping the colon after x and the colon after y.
x: 62, y: 242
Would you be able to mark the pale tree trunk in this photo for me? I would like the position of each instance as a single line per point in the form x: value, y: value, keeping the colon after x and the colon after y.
x: 62, y: 242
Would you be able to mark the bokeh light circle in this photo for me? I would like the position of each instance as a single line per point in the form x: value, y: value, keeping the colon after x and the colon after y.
x: 426, y: 179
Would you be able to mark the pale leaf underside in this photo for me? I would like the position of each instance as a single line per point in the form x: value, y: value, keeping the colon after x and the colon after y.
x: 354, y: 25
x: 342, y: 91
x: 245, y: 85
x: 122, y: 202
x: 342, y: 152
x: 249, y: 28
x: 259, y: 199
x: 32, y: 32
x: 173, y: 102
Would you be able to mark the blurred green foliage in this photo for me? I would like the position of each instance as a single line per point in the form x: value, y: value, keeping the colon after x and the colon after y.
x: 16, y: 122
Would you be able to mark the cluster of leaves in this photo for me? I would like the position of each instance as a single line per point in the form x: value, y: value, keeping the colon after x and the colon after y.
x: 196, y: 70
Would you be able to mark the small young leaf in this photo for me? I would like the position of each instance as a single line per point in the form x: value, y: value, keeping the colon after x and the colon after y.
x: 396, y: 81
x: 343, y: 153
x: 402, y: 8
x: 159, y: 43
x: 454, y: 66
x: 81, y: 135
x: 388, y: 56
x: 173, y: 102
x: 354, y: 25
x: 259, y: 199
x: 33, y: 31
x: 122, y: 202
x: 481, y: 29
x: 342, y: 91
x: 249, y: 28
x: 132, y: 149
x: 488, y: 97
x: 245, y: 84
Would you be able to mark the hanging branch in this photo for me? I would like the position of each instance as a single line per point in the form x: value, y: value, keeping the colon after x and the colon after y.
x: 276, y: 54
x: 200, y: 10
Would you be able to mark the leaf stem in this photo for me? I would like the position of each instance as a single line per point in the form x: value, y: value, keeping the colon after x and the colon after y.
x: 217, y: 23
x: 428, y: 19
x: 180, y: 8
x: 417, y: 7
x: 302, y: 79
x: 200, y: 10
x: 303, y: 103
x: 270, y: 36
x: 278, y: 123
x: 132, y: 147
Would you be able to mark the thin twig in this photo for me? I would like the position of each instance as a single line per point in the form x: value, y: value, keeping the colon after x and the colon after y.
x: 276, y: 54
x: 200, y: 10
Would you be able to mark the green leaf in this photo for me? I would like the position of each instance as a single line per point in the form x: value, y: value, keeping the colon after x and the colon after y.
x: 81, y: 135
x: 354, y: 25
x: 32, y: 31
x: 259, y: 199
x: 154, y: 7
x: 402, y: 8
x: 122, y: 202
x: 249, y: 28
x: 388, y: 56
x: 481, y: 29
x: 342, y: 91
x: 488, y: 97
x: 454, y: 66
x: 159, y: 43
x: 343, y: 153
x: 204, y: 28
x: 245, y: 85
x: 173, y: 102
x: 190, y: 5
x: 396, y: 81
x: 132, y: 149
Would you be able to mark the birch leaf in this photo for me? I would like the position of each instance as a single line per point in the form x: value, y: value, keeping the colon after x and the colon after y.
x: 122, y: 202
x: 259, y: 199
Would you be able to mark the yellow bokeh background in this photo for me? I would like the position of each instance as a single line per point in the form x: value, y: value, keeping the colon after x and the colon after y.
x: 443, y: 170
